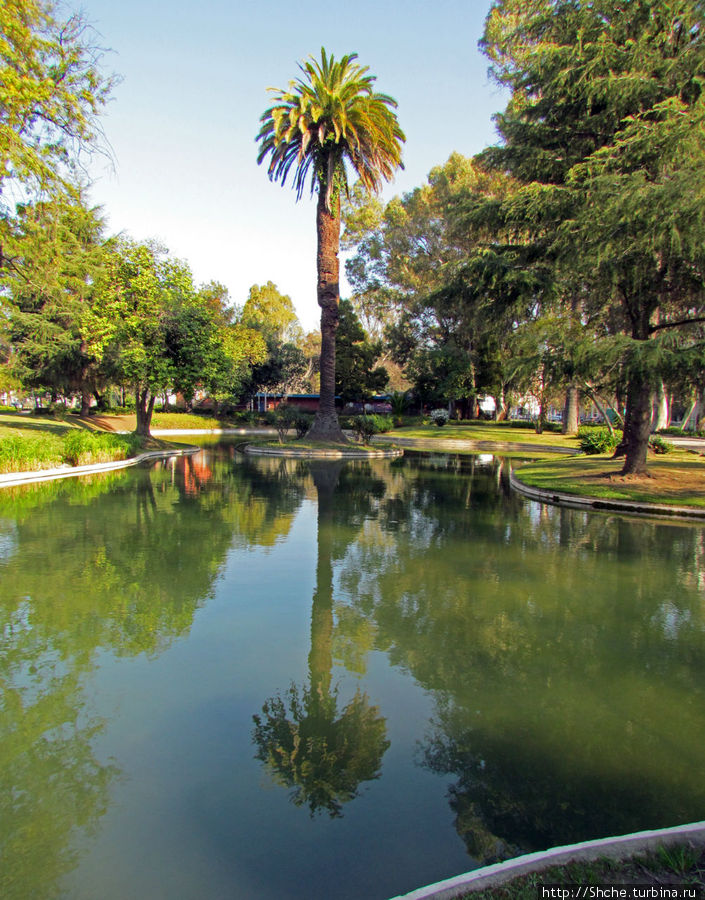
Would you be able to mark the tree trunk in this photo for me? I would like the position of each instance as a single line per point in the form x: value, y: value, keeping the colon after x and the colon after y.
x: 603, y: 412
x: 637, y: 426
x: 144, y: 407
x: 325, y: 424
x: 690, y: 419
x: 85, y: 402
x: 661, y: 411
x: 571, y: 411
x: 637, y: 420
x: 500, y: 405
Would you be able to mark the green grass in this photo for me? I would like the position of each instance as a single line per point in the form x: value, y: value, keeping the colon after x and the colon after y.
x: 304, y: 444
x: 31, y: 451
x: 82, y: 448
x: 186, y: 420
x: 19, y: 423
x: 683, y: 865
x: 677, y: 479
x: 28, y: 453
x: 489, y: 432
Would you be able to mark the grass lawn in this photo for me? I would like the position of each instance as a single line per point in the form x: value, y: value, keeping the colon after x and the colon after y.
x: 304, y: 444
x: 675, y: 479
x: 30, y: 443
x: 28, y: 424
x: 488, y: 432
x: 165, y: 421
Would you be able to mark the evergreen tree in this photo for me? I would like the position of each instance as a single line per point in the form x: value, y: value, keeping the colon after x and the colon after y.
x: 329, y: 119
x: 603, y: 133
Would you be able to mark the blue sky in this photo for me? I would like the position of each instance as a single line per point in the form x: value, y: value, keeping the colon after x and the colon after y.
x: 182, y: 123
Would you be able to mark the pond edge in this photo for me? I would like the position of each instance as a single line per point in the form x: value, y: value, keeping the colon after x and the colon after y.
x: 576, y: 501
x: 10, y: 479
x: 621, y: 847
x: 304, y: 453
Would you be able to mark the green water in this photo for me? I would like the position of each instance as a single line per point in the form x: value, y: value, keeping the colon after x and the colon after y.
x: 231, y: 678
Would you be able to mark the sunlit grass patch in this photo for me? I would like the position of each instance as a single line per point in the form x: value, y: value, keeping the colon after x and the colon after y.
x: 82, y: 448
x: 677, y: 480
x: 490, y: 432
x: 34, y: 452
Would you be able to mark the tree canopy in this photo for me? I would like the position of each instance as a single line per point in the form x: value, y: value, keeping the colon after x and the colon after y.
x: 52, y: 88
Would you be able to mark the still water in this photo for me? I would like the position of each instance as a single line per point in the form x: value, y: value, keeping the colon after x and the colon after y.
x: 233, y: 678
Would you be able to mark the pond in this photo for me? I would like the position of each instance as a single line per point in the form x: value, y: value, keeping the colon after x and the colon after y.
x: 234, y: 678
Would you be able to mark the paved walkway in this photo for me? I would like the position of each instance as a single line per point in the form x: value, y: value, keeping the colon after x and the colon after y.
x: 696, y: 444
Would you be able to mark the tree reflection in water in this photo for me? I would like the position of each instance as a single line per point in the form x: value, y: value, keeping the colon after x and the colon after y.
x: 563, y: 651
x: 323, y: 753
x: 118, y: 563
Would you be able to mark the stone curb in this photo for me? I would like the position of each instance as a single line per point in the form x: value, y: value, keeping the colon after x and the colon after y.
x: 621, y: 847
x: 15, y: 478
x: 625, y: 506
x: 301, y: 453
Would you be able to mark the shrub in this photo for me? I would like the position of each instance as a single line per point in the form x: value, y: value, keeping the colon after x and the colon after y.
x: 659, y: 445
x: 439, y: 417
x: 382, y: 423
x: 4, y: 408
x: 283, y: 418
x: 597, y: 440
x: 53, y: 411
x: 302, y: 423
x: 363, y: 427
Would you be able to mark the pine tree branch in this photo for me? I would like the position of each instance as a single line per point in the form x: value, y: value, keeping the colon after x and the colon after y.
x: 664, y: 325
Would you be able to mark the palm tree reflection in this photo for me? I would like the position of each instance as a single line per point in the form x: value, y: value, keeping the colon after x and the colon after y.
x: 323, y: 753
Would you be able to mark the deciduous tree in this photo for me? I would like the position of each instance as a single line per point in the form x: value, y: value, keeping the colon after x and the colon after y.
x: 51, y: 91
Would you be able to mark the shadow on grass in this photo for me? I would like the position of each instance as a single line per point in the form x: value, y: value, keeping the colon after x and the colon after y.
x: 30, y: 423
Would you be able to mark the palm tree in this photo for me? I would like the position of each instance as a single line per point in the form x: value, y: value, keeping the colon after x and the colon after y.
x: 326, y: 120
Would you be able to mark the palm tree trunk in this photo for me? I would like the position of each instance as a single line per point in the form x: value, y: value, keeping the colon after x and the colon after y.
x: 325, y: 425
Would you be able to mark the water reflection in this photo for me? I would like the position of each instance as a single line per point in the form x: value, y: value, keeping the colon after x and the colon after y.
x: 551, y: 665
x: 117, y: 563
x: 307, y: 743
x: 564, y: 650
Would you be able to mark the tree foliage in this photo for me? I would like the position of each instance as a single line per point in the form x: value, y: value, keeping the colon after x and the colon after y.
x: 272, y: 313
x: 51, y: 91
x: 56, y: 248
x: 603, y: 133
x: 152, y: 329
x: 356, y: 375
